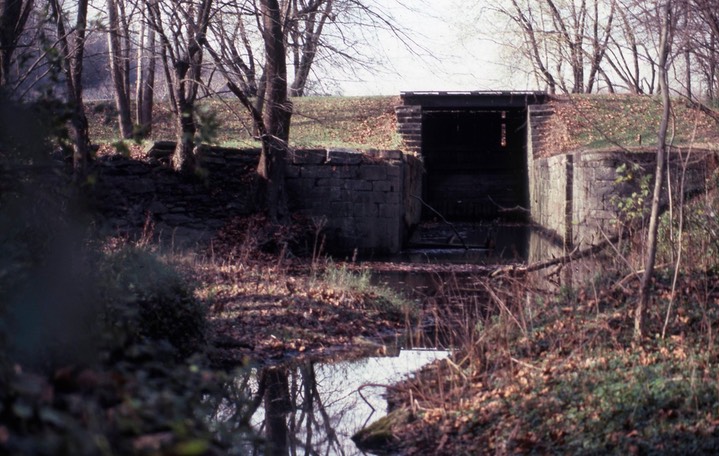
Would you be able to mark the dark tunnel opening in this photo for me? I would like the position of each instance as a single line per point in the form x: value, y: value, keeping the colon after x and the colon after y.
x: 475, y: 160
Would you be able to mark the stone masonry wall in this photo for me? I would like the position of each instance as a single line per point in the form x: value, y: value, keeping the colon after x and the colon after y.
x: 362, y: 196
x: 573, y: 196
x: 409, y: 126
x: 146, y: 197
x: 547, y: 194
x: 596, y: 190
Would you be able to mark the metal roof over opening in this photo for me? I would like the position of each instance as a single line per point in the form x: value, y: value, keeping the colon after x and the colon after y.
x: 473, y: 99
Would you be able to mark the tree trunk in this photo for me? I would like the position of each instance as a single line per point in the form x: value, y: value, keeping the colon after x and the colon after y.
x: 183, y: 160
x: 80, y: 129
x: 534, y: 48
x: 72, y: 60
x: 313, y: 33
x: 599, y: 48
x: 277, y: 115
x: 13, y: 17
x: 145, y: 80
x: 688, y: 74
x: 181, y: 29
x: 651, y: 243
x: 712, y: 79
x: 117, y: 71
x: 277, y: 405
x: 261, y: 92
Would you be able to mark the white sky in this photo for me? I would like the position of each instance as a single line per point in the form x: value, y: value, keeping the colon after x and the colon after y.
x: 459, y: 59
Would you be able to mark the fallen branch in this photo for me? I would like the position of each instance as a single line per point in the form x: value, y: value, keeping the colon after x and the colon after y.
x: 516, y: 208
x: 461, y: 239
x: 571, y: 256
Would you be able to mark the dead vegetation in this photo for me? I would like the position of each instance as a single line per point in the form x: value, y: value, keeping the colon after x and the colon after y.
x: 555, y: 371
x: 623, y: 122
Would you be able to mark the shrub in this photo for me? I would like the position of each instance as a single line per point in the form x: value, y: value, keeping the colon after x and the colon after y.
x: 145, y: 298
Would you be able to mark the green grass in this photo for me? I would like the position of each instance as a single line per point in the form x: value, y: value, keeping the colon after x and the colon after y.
x: 378, y: 297
x: 342, y: 122
x: 602, y: 121
x: 581, y: 122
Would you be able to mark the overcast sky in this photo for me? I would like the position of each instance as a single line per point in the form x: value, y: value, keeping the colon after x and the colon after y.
x: 457, y: 57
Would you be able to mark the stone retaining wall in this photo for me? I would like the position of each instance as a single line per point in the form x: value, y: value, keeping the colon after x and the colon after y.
x: 135, y: 197
x: 363, y: 199
x: 574, y: 196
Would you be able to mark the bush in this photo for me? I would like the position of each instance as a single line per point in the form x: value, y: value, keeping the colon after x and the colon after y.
x: 145, y: 298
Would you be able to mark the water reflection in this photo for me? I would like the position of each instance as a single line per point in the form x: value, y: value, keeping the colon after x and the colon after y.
x: 312, y: 408
x: 478, y: 243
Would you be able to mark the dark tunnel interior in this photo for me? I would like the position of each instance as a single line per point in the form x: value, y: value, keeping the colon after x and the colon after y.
x: 475, y: 161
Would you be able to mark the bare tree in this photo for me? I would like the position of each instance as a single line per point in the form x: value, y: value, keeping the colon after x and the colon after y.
x: 666, y: 17
x: 565, y: 42
x: 272, y: 125
x: 706, y: 13
x: 14, y: 17
x: 145, y: 81
x: 231, y: 33
x: 532, y: 42
x: 277, y: 114
x: 70, y: 47
x: 181, y: 27
x: 118, y: 36
x: 305, y: 37
x: 319, y: 35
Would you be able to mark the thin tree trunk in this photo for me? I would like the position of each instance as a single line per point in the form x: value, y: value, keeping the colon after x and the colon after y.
x: 530, y: 35
x: 145, y: 80
x: 261, y: 89
x: 13, y: 17
x: 277, y: 115
x: 712, y: 80
x: 313, y: 33
x: 277, y: 405
x: 183, y: 160
x: 117, y: 71
x: 688, y: 74
x: 651, y: 243
x: 72, y: 60
x: 139, y: 70
x: 687, y: 58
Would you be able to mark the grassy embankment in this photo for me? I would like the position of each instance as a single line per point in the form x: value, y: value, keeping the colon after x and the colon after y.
x: 349, y: 122
x: 624, y: 121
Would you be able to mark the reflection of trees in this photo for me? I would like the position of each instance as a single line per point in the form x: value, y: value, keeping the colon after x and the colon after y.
x: 314, y: 416
x: 284, y: 404
x: 277, y: 405
x: 311, y: 425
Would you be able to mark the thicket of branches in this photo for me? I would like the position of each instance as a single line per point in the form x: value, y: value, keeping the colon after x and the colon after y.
x: 261, y: 50
x: 586, y: 46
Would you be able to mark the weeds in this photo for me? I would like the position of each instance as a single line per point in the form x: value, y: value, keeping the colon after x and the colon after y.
x: 376, y: 297
x: 144, y: 297
x: 556, y: 372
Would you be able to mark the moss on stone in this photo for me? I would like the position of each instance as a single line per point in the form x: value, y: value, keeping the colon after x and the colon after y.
x: 378, y: 437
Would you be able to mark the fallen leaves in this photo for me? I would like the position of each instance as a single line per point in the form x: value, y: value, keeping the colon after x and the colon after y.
x: 260, y: 311
x: 574, y: 384
x: 593, y: 121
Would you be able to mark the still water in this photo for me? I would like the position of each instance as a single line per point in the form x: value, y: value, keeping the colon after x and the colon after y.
x: 314, y: 407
